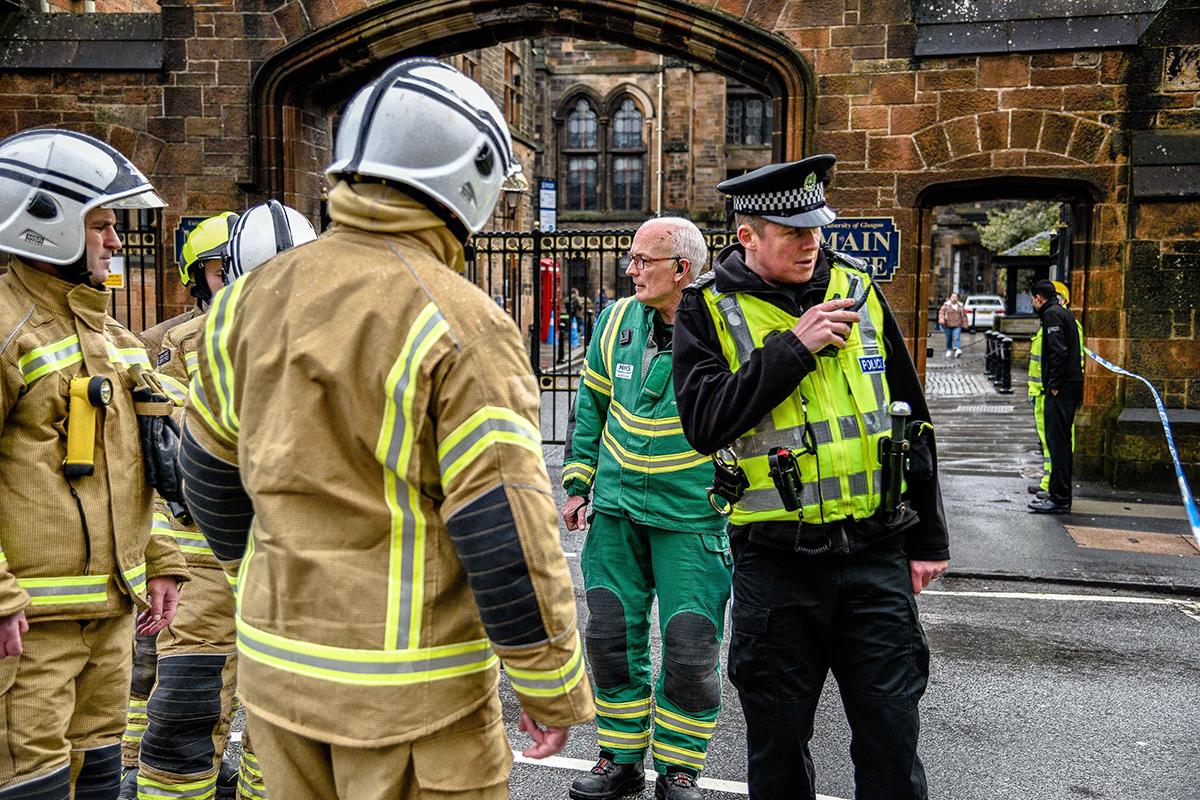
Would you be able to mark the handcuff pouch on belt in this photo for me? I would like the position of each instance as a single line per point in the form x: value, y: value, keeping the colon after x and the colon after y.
x: 729, y: 482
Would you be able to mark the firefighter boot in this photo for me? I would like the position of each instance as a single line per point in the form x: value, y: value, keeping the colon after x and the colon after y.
x: 609, y: 780
x: 677, y: 786
x: 128, y: 785
x: 227, y: 780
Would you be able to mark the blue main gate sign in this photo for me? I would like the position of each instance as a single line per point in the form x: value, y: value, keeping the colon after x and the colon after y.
x: 873, y: 239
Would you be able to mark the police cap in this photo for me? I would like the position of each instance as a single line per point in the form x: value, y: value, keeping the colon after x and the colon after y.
x: 791, y: 194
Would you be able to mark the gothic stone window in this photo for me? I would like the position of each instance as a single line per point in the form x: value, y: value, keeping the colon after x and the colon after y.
x: 603, y: 158
x: 628, y: 155
x: 749, y: 116
x: 581, y: 157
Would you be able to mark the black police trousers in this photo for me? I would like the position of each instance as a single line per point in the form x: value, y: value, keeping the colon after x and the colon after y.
x: 1058, y: 418
x: 797, y: 617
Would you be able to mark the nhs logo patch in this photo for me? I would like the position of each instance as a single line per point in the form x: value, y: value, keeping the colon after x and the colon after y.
x: 871, y: 363
x: 625, y: 371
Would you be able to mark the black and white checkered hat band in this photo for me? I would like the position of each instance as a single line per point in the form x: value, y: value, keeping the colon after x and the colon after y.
x: 781, y: 204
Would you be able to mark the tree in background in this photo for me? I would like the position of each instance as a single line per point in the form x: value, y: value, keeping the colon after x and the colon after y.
x: 1005, y: 228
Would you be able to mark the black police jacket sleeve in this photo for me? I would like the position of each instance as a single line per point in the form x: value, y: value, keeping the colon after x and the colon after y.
x: 716, y: 406
x: 1060, y: 349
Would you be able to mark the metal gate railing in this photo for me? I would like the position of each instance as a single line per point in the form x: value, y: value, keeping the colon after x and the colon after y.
x: 554, y: 285
x: 137, y: 303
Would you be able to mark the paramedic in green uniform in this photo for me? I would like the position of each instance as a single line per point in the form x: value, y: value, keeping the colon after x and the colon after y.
x: 653, y: 532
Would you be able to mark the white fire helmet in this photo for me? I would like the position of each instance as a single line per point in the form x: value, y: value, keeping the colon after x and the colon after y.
x: 426, y: 126
x: 50, y: 179
x: 261, y: 233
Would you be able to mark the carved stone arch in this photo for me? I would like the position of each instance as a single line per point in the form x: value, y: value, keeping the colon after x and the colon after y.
x: 1081, y: 189
x: 613, y: 99
x: 317, y: 72
x: 571, y: 96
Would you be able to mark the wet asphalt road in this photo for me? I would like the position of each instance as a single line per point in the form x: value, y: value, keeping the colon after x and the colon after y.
x: 1058, y: 692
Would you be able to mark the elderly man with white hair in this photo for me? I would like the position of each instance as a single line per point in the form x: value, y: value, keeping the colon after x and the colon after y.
x: 653, y: 532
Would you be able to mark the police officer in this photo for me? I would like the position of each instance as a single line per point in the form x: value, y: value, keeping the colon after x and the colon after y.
x: 374, y: 415
x: 76, y: 549
x: 787, y: 355
x: 1062, y: 386
x: 653, y: 532
x: 200, y: 271
x: 1037, y: 395
x: 191, y: 706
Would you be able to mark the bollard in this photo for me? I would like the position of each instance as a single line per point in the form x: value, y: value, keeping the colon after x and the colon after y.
x: 1006, y: 366
x: 997, y: 358
x: 989, y: 355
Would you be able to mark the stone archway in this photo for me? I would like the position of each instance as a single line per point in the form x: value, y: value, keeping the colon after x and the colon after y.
x: 318, y: 70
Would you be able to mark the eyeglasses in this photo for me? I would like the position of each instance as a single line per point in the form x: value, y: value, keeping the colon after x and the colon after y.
x: 639, y: 262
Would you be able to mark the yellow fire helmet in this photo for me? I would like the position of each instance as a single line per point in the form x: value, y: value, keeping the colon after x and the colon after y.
x: 208, y: 240
x: 1063, y: 292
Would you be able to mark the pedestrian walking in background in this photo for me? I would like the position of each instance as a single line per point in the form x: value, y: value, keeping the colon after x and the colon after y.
x: 653, y: 534
x: 952, y: 316
x: 374, y: 414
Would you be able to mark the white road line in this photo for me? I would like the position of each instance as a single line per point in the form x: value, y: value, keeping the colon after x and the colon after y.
x: 571, y: 555
x: 1077, y: 598
x: 579, y: 765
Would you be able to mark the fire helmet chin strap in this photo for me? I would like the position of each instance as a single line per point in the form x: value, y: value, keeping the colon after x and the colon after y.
x: 75, y: 272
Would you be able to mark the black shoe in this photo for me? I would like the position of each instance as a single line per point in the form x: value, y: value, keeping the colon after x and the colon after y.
x: 676, y: 786
x: 1033, y: 488
x: 227, y: 780
x: 1048, y: 506
x: 128, y: 790
x: 608, y: 780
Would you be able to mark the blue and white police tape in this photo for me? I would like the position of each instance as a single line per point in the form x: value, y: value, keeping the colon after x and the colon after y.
x: 1189, y: 501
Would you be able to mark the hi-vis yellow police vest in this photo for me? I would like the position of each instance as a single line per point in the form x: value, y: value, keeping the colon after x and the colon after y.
x: 1035, y: 359
x: 842, y: 403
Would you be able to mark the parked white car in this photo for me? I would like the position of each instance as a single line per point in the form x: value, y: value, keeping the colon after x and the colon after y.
x: 984, y: 311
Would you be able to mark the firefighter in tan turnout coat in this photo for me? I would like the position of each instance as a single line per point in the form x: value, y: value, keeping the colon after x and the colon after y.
x: 404, y: 541
x: 76, y: 549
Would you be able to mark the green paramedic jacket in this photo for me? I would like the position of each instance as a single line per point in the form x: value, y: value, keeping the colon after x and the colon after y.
x: 625, y: 442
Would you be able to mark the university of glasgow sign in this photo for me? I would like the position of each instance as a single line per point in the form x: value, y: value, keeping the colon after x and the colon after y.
x: 873, y: 239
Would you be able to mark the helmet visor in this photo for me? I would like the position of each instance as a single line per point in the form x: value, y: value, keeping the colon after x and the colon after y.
x: 145, y: 198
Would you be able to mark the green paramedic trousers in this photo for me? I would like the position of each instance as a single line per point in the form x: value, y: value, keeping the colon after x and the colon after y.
x: 625, y: 564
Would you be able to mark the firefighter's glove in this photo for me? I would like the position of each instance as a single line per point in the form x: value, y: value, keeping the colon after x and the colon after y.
x: 160, y: 444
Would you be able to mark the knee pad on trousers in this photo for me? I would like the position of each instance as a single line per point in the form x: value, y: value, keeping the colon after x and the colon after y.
x: 690, y: 655
x: 55, y: 786
x: 145, y: 656
x: 100, y: 776
x: 183, y: 712
x: 605, y: 636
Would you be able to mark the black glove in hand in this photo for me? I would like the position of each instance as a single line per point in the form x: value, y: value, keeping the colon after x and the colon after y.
x: 160, y: 450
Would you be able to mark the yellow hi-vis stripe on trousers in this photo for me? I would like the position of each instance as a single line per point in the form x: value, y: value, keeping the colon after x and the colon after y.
x: 680, y: 724
x: 677, y: 755
x: 630, y: 709
x: 394, y: 450
x: 136, y: 721
x: 150, y: 789
x: 621, y: 740
x: 250, y: 779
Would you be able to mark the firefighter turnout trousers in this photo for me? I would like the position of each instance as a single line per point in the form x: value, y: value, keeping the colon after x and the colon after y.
x: 61, y: 713
x: 447, y: 765
x: 191, y: 706
x: 625, y: 564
